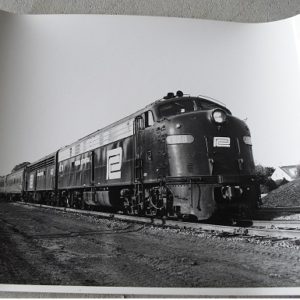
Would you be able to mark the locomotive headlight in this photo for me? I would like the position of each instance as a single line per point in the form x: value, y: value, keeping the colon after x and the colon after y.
x: 219, y: 116
x: 247, y: 140
x: 180, y: 139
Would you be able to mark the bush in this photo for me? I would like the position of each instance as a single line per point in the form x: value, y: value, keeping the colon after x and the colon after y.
x: 264, y: 174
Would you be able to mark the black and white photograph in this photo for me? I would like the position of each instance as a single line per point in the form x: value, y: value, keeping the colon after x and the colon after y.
x: 149, y: 149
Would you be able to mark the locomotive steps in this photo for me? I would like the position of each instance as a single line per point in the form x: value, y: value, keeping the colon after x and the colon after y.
x: 270, y: 229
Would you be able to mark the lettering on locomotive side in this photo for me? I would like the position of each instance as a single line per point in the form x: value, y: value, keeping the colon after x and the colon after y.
x: 221, y: 141
x: 82, y: 161
x: 77, y: 163
x: 40, y: 173
x: 114, y: 163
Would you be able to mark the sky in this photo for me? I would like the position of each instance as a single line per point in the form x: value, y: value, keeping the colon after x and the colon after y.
x: 65, y: 76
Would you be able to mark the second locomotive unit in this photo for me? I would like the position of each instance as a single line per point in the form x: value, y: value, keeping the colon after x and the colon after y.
x: 179, y: 156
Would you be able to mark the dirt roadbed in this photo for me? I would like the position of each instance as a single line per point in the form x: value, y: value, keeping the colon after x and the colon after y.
x: 39, y: 246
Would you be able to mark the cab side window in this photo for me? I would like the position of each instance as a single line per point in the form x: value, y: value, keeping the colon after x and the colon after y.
x: 149, y: 119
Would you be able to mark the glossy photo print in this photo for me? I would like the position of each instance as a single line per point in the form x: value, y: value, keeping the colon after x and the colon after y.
x: 149, y: 155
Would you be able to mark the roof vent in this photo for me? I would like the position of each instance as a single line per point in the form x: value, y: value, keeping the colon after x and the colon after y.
x: 169, y: 96
x: 179, y: 94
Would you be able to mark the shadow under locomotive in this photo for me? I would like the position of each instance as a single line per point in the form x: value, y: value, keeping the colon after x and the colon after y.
x: 179, y: 157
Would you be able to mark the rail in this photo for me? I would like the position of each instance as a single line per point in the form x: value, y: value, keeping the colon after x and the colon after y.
x: 269, y: 227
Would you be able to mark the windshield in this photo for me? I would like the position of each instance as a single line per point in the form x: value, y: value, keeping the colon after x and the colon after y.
x: 181, y: 106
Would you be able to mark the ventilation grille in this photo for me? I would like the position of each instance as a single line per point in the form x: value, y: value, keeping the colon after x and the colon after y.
x: 49, y: 161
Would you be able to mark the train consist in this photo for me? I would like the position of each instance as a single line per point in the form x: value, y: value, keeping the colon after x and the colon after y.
x: 180, y: 156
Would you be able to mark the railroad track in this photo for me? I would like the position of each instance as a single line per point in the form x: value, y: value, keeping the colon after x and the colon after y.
x: 293, y: 209
x: 268, y: 213
x: 277, y: 224
x: 258, y: 228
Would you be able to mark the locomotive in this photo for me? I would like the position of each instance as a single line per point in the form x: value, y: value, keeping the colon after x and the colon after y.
x: 181, y: 156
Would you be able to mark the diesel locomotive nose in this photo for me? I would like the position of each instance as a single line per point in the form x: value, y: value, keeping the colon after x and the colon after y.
x: 211, y: 151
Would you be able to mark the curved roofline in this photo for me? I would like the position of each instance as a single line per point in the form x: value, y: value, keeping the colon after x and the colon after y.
x: 161, y: 100
x: 212, y: 99
x: 189, y: 96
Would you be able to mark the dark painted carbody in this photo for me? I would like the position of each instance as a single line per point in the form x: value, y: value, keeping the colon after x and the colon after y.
x: 2, y: 184
x: 198, y: 176
x: 14, y: 182
x: 197, y: 170
x: 40, y: 175
x: 72, y: 176
x: 193, y: 159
